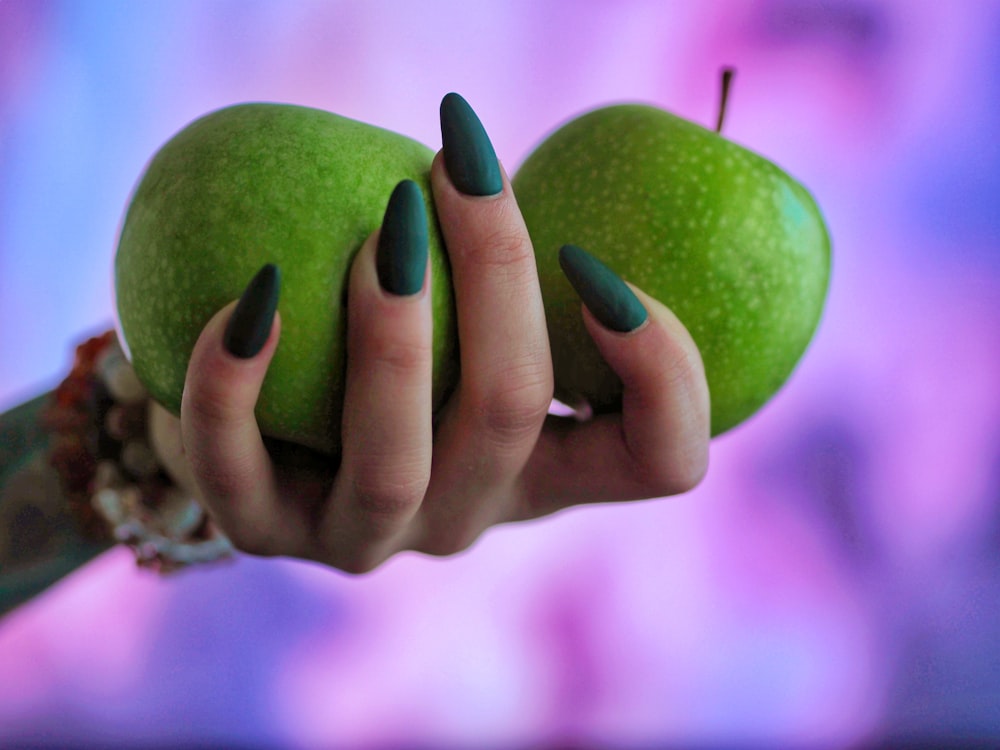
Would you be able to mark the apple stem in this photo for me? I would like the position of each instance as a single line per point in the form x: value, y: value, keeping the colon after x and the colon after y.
x: 727, y: 80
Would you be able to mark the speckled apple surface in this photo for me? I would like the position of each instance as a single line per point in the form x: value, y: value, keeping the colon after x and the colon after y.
x: 733, y: 245
x: 267, y: 183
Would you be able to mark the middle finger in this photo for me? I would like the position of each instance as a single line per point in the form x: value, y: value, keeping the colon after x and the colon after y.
x: 506, y: 383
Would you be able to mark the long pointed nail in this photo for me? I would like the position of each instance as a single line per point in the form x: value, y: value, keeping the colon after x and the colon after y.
x: 248, y: 328
x: 401, y: 256
x: 468, y: 154
x: 607, y: 297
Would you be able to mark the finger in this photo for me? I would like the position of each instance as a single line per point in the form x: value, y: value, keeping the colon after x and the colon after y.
x: 387, y: 440
x: 219, y: 431
x: 506, y: 382
x: 658, y: 445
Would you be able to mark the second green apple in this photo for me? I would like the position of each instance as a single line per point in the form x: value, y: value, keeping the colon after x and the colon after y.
x: 732, y: 244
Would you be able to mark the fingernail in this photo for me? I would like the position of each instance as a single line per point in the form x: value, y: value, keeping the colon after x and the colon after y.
x: 401, y: 256
x: 248, y: 328
x: 607, y: 297
x: 468, y: 154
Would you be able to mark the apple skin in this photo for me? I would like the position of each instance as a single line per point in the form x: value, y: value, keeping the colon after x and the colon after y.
x: 728, y: 241
x: 264, y: 183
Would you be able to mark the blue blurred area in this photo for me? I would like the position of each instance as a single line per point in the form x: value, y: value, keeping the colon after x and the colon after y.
x: 836, y: 579
x: 77, y: 129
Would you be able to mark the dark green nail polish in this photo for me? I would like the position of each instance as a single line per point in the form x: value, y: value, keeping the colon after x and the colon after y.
x: 248, y: 328
x: 607, y: 297
x: 401, y: 257
x: 468, y: 154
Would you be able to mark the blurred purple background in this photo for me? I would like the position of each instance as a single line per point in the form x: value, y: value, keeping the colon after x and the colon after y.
x: 836, y: 579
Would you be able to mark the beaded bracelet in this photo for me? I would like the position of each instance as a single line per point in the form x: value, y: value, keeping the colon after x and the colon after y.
x: 114, y: 483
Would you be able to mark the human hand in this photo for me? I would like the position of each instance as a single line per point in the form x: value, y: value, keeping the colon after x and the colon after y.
x: 410, y: 480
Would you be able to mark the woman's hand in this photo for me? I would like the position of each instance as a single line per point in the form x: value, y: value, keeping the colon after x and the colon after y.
x: 493, y: 454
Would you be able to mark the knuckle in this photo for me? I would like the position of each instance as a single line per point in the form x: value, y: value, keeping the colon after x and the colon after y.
x: 518, y: 404
x: 685, y: 368
x: 679, y: 362
x: 511, y: 415
x: 399, y: 356
x: 211, y: 406
x: 505, y: 247
x: 386, y: 496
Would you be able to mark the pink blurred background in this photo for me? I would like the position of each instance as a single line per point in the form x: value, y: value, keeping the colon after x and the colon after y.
x: 834, y: 582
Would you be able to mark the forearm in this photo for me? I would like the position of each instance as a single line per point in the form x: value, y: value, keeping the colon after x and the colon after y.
x: 79, y: 470
x: 41, y: 539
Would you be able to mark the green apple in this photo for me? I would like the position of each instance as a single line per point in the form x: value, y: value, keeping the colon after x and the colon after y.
x: 267, y: 183
x: 732, y: 244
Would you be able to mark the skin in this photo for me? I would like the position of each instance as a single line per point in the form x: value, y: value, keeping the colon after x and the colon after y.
x: 492, y: 455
